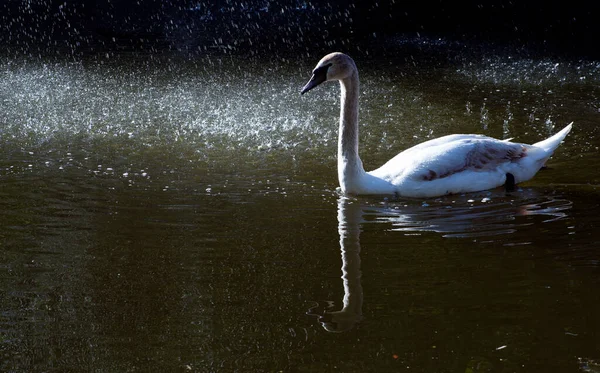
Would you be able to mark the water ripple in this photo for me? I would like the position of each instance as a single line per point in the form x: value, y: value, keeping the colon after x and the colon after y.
x: 479, y: 215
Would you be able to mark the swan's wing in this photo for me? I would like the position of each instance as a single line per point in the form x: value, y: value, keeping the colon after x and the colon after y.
x: 480, y: 156
x: 449, y: 155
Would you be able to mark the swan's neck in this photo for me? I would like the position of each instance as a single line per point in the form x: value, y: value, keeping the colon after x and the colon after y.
x: 350, y: 168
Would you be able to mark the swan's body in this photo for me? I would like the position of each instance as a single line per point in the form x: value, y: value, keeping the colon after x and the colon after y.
x: 446, y: 165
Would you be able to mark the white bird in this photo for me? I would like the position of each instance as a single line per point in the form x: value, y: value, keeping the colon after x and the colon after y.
x: 446, y: 165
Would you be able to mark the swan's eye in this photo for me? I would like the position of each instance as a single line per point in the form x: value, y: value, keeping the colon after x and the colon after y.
x: 322, y: 69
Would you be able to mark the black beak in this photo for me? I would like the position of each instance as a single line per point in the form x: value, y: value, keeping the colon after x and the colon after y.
x: 318, y: 77
x: 313, y: 82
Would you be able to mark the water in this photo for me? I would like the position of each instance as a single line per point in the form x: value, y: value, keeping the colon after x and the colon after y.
x: 159, y: 213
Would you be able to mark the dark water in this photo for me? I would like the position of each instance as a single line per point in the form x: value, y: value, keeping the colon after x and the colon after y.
x: 164, y: 214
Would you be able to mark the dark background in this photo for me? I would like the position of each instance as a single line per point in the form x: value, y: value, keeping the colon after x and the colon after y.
x: 290, y: 26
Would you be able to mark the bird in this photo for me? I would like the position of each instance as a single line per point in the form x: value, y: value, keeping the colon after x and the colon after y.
x: 452, y: 164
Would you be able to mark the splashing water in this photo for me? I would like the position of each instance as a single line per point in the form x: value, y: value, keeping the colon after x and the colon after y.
x: 185, y: 103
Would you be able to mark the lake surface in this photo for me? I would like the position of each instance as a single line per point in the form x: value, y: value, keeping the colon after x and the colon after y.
x: 162, y: 213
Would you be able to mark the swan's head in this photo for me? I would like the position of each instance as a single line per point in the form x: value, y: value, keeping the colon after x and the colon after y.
x: 334, y: 66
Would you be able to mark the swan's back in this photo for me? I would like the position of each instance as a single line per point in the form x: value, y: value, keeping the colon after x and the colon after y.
x: 464, y: 163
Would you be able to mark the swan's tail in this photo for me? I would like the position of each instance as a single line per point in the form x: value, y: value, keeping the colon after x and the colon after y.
x: 551, y: 143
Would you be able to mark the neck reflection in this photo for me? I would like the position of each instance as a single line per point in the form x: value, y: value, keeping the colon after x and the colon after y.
x: 349, y: 219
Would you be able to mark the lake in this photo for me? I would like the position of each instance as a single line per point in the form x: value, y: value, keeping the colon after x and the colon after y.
x: 164, y: 213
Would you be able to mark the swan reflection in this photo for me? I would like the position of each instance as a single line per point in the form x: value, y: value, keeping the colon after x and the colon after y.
x: 478, y: 215
x: 456, y: 216
x: 349, y: 220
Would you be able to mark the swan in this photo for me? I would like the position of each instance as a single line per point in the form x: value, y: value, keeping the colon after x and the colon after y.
x: 447, y: 165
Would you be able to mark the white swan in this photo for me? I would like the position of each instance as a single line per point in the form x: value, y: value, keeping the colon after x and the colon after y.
x: 447, y: 165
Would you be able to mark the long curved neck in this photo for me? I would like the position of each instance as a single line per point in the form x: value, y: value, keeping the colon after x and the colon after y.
x: 350, y: 167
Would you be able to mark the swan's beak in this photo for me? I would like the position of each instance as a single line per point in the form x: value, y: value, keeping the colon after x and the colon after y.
x: 318, y: 77
x: 313, y: 82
